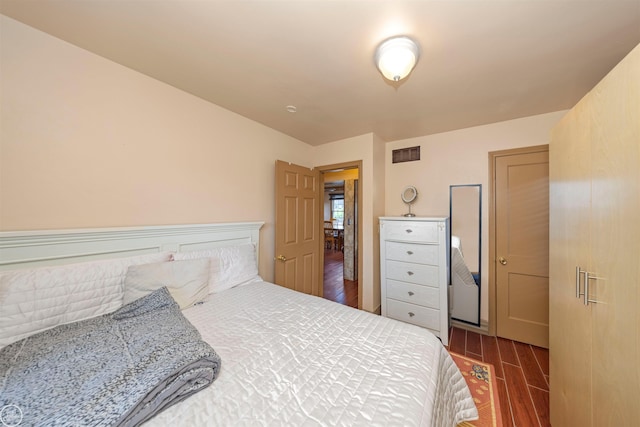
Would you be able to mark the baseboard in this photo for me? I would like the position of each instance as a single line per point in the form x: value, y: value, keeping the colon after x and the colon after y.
x: 482, y: 329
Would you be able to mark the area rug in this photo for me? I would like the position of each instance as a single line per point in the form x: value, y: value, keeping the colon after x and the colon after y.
x: 481, y: 379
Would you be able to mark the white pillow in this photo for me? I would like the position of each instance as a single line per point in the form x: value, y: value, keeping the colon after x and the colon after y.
x: 187, y: 281
x: 230, y: 265
x: 35, y: 299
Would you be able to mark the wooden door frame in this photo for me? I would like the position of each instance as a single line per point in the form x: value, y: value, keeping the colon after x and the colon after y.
x: 329, y: 168
x: 493, y: 156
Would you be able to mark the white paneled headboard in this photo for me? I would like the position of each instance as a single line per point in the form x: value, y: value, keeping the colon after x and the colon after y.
x: 24, y: 249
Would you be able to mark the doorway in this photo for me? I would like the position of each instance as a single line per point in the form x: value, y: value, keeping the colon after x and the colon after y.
x: 340, y: 217
x: 519, y: 245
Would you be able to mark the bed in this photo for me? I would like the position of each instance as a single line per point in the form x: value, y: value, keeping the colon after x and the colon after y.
x: 286, y: 358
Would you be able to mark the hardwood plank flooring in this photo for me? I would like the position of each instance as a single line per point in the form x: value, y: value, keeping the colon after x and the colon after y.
x: 335, y: 287
x: 522, y: 371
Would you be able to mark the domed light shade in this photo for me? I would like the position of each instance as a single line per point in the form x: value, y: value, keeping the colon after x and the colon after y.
x: 396, y: 57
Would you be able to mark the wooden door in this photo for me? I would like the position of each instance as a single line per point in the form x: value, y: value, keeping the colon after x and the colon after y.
x: 297, y: 239
x: 570, y: 340
x: 615, y: 245
x: 522, y: 246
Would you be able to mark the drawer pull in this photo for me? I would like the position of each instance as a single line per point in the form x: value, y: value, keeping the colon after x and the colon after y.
x: 410, y: 273
x: 410, y: 293
x: 409, y: 252
x: 408, y: 230
x: 411, y: 314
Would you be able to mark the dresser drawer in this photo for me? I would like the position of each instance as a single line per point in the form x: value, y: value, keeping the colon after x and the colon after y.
x: 413, y: 252
x: 414, y: 273
x: 416, y: 294
x: 415, y: 314
x: 411, y: 231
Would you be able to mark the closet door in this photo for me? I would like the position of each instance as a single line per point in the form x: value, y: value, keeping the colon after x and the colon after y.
x: 615, y: 246
x: 570, y: 341
x: 594, y: 350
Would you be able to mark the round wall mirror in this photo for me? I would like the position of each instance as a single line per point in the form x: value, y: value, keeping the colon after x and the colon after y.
x: 409, y: 195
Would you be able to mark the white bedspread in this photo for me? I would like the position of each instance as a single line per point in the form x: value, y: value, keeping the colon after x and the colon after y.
x: 296, y: 360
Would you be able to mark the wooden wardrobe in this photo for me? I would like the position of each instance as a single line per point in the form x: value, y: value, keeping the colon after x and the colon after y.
x: 594, y: 173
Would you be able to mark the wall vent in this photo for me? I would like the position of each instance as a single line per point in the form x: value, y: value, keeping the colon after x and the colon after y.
x: 409, y: 154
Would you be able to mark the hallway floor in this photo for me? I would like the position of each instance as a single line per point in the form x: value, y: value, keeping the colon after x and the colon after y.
x: 335, y: 287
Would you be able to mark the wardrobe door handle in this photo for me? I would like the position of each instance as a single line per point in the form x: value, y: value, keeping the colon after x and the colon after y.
x: 588, y: 276
x: 410, y: 273
x: 411, y: 314
x: 579, y: 272
x: 408, y: 230
x: 409, y: 252
x: 410, y: 293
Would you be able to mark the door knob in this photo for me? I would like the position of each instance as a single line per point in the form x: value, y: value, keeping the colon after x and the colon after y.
x: 502, y: 260
x: 281, y: 258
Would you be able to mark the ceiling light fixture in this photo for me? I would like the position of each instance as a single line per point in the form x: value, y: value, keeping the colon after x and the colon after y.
x: 396, y: 57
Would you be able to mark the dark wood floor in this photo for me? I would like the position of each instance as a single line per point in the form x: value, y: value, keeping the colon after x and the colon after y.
x: 522, y: 370
x: 335, y: 287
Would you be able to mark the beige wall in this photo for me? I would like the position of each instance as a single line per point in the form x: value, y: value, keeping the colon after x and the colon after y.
x: 85, y: 142
x: 379, y: 190
x: 459, y: 157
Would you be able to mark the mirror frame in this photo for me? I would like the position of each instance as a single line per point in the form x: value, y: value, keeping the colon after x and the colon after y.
x: 413, y: 197
x: 409, y: 200
x: 479, y: 186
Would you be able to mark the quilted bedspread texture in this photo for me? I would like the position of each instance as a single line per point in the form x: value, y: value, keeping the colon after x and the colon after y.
x: 294, y: 359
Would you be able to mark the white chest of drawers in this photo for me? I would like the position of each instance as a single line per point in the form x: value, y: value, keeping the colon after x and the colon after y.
x: 414, y: 271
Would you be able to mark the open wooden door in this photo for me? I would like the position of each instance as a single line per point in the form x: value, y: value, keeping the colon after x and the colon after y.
x: 297, y: 239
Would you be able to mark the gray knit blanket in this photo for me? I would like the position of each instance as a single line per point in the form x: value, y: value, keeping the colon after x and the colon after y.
x: 118, y: 369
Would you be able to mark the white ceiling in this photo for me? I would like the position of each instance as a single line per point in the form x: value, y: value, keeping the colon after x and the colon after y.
x: 481, y: 61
